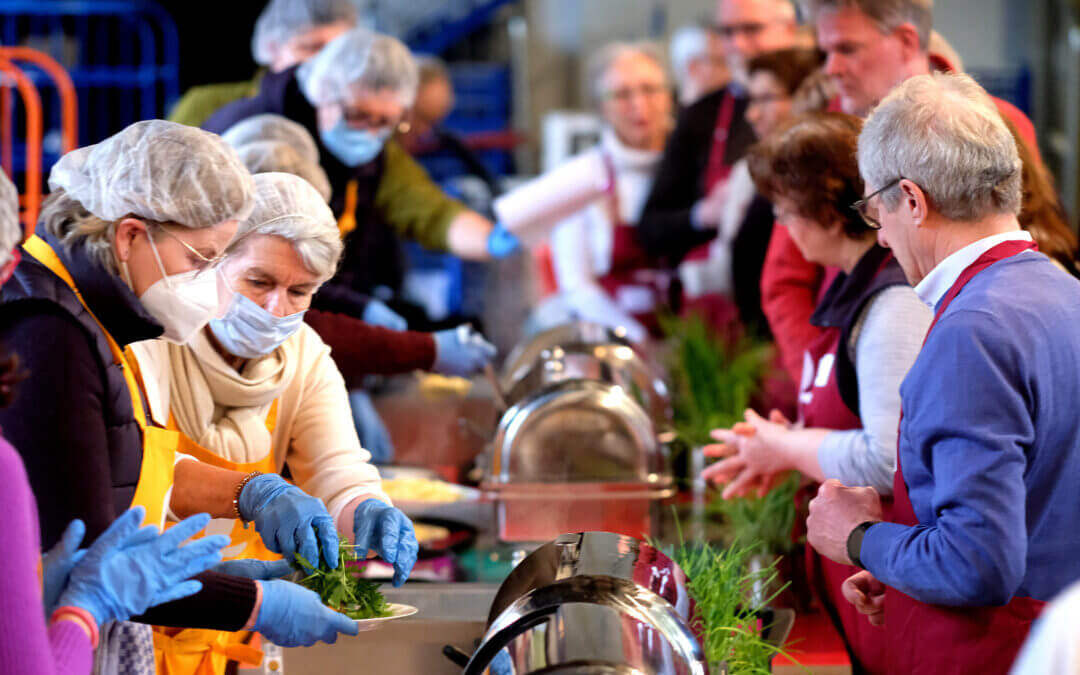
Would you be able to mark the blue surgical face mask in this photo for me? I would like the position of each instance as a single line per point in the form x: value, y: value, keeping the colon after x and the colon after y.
x: 354, y: 146
x: 249, y: 331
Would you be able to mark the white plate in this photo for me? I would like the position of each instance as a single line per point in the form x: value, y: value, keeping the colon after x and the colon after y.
x: 397, y: 611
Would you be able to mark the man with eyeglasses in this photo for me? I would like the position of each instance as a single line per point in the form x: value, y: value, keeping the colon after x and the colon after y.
x: 871, y: 47
x: 982, y: 530
x: 686, y: 203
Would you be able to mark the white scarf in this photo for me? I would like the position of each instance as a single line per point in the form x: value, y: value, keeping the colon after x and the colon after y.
x: 221, y: 409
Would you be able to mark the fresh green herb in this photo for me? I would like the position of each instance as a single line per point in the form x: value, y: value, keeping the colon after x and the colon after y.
x: 722, y: 583
x: 768, y: 521
x: 340, y: 588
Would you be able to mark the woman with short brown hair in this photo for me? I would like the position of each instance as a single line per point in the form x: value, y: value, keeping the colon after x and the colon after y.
x: 872, y: 326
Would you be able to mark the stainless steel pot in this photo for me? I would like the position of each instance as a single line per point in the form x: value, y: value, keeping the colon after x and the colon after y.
x: 591, y: 603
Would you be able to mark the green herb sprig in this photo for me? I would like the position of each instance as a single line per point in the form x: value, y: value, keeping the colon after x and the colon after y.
x: 767, y: 521
x: 340, y: 588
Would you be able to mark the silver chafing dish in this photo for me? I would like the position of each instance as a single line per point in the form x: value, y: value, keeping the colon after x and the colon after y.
x: 583, y: 445
x: 591, y: 603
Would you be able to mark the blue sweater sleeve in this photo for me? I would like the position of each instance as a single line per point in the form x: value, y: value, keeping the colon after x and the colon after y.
x: 967, y: 424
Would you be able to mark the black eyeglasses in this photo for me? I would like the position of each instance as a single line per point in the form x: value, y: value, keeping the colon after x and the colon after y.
x: 863, y: 206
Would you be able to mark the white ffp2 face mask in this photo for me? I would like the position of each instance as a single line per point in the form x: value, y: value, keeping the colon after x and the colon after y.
x: 182, y: 303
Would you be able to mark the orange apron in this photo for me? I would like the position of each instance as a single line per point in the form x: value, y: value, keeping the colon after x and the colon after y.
x: 197, y: 651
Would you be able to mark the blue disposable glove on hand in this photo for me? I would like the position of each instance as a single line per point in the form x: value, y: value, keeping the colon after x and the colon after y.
x: 370, y: 428
x: 502, y: 243
x: 461, y: 351
x: 293, y: 616
x: 378, y: 314
x: 255, y: 569
x: 289, y: 520
x: 380, y: 527
x: 56, y: 565
x: 130, y: 569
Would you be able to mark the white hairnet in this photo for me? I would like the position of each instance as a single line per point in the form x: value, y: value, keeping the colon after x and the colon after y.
x: 357, y: 61
x: 159, y: 170
x: 288, y: 206
x: 275, y: 156
x: 11, y: 232
x: 284, y: 19
x: 271, y: 127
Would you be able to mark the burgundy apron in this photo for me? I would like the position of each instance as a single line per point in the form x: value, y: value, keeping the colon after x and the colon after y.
x: 718, y: 309
x: 926, y: 638
x: 632, y: 268
x: 822, y: 406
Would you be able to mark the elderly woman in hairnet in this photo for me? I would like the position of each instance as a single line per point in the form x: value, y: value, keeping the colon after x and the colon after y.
x: 351, y: 96
x: 257, y: 387
x: 377, y: 344
x: 126, y: 246
x: 287, y: 32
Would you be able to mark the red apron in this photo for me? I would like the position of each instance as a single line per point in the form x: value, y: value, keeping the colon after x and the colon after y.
x: 821, y: 406
x: 632, y: 268
x: 718, y: 309
x: 931, y: 639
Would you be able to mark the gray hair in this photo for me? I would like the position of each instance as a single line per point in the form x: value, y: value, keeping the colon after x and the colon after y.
x: 943, y: 133
x: 687, y: 43
x: 887, y: 14
x: 11, y: 232
x: 596, y: 69
x: 289, y: 207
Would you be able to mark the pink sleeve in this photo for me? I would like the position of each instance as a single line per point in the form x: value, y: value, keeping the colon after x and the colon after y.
x: 27, y: 645
x: 789, y: 291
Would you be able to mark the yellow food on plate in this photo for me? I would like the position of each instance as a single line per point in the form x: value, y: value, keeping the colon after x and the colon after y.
x: 427, y: 533
x: 420, y: 490
x: 432, y: 384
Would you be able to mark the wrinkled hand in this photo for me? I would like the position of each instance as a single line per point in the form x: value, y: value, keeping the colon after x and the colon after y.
x: 384, y: 529
x: 834, y: 513
x: 868, y: 596
x: 753, y: 452
x: 378, y: 314
x: 255, y: 569
x: 293, y: 616
x: 57, y: 564
x: 289, y: 520
x: 461, y: 351
x: 502, y: 243
x: 130, y: 569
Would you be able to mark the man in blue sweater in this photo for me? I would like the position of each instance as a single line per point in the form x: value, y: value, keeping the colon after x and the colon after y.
x: 987, y: 491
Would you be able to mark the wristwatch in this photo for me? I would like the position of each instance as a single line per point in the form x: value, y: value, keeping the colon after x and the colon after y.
x: 854, y: 542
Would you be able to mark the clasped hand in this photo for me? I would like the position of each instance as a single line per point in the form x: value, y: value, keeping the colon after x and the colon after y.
x: 752, y: 452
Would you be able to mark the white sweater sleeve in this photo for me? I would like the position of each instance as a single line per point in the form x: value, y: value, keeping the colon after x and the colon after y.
x: 325, y: 456
x: 571, y: 252
x: 886, y: 345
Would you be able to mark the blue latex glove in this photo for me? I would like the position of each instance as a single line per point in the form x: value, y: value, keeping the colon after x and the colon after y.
x: 293, y: 616
x: 130, y: 569
x: 289, y: 520
x: 255, y: 569
x: 370, y: 428
x: 502, y: 243
x: 461, y: 351
x: 56, y: 565
x: 379, y: 314
x: 380, y: 527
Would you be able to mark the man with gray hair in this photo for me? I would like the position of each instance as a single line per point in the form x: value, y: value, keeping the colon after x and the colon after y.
x: 698, y: 65
x: 982, y: 530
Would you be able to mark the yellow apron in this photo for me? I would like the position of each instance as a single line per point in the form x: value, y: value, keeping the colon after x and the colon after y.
x: 159, y: 445
x: 196, y: 651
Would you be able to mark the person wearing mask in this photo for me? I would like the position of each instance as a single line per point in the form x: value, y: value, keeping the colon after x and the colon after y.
x: 698, y: 65
x: 871, y: 46
x: 425, y: 132
x: 351, y: 97
x: 872, y: 325
x: 51, y: 622
x: 603, y: 273
x: 981, y: 530
x: 737, y: 253
x: 256, y: 389
x: 127, y: 241
x: 287, y: 32
x: 686, y: 204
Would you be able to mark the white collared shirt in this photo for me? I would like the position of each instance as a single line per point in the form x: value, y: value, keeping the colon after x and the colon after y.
x: 935, y: 285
